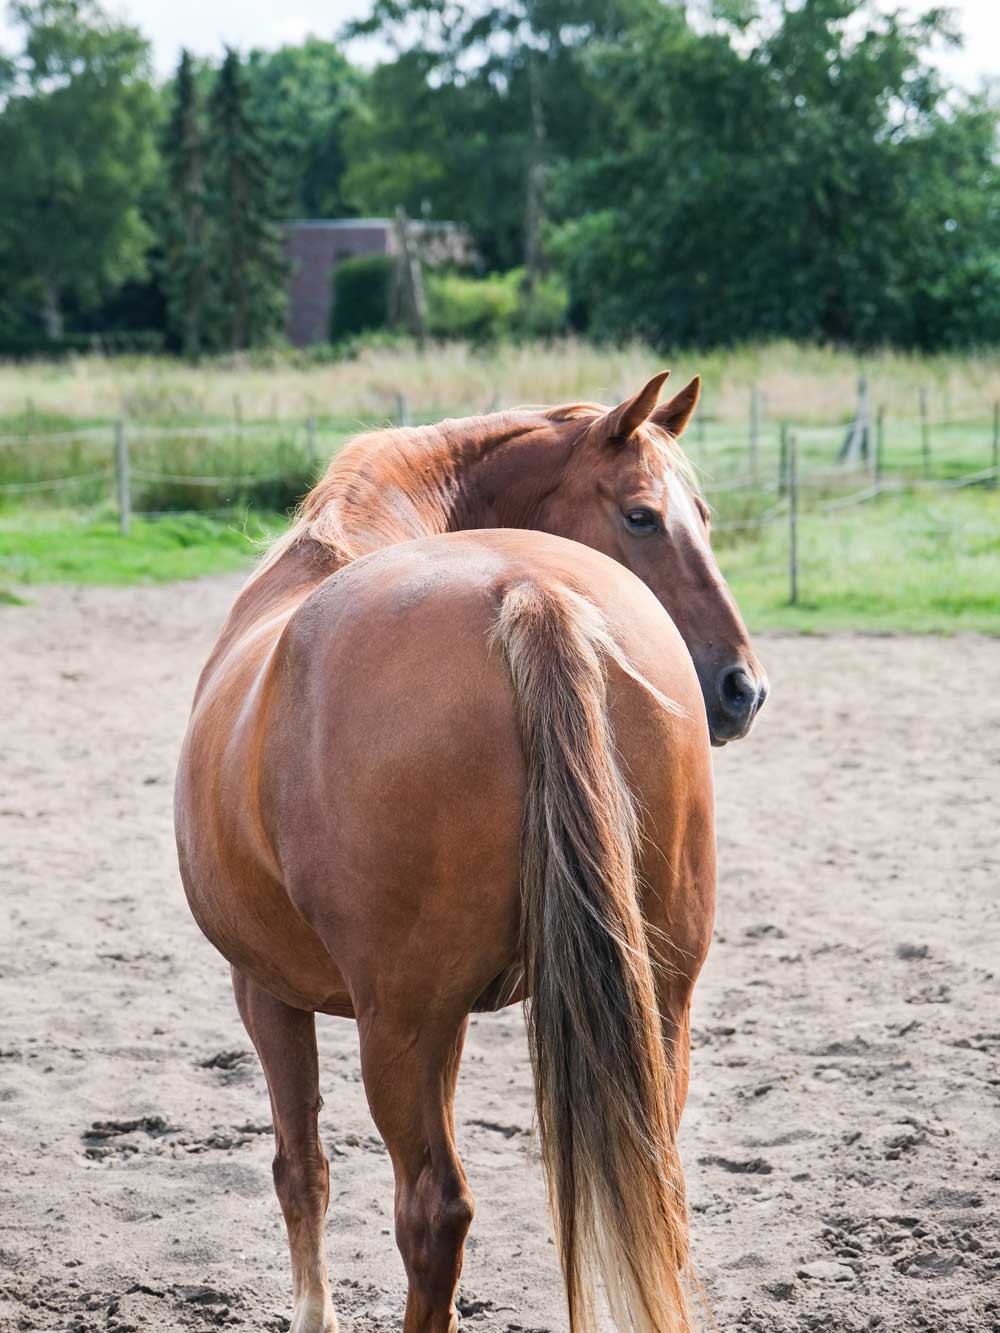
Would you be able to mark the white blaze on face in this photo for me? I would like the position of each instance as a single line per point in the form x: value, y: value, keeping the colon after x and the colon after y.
x: 682, y: 512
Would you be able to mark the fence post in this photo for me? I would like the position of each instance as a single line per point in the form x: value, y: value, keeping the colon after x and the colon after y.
x: 925, y: 434
x: 402, y: 409
x: 793, y: 520
x: 783, y: 458
x: 754, y: 430
x: 996, y: 445
x: 122, y: 478
x: 879, y: 444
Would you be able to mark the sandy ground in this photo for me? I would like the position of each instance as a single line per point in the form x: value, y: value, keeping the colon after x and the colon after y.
x: 842, y: 1134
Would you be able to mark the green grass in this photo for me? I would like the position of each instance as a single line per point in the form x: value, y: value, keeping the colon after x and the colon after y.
x: 61, y: 547
x: 918, y: 562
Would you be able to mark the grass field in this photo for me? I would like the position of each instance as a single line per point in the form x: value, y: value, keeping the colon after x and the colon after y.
x: 923, y: 557
x: 804, y: 384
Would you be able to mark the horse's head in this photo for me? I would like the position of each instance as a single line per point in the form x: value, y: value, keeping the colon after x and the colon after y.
x: 630, y: 493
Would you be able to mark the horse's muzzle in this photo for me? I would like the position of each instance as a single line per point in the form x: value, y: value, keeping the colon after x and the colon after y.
x: 739, y: 697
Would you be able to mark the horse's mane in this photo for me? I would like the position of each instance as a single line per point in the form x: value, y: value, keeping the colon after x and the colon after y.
x: 403, y: 477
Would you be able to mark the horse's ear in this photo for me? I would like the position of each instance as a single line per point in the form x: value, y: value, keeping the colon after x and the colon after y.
x: 627, y: 417
x: 675, y: 415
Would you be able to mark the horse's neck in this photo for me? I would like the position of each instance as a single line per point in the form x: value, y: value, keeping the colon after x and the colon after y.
x: 486, y: 472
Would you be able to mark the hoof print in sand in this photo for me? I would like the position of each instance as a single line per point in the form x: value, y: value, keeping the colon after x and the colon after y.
x: 124, y: 1138
x: 232, y: 1065
x: 747, y: 1166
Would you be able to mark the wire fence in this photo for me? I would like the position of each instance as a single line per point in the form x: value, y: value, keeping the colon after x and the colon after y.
x: 770, y: 476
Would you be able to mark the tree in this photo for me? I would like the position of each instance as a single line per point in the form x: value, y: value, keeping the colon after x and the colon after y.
x: 77, y: 142
x: 813, y: 180
x: 185, y: 231
x: 481, y: 104
x: 246, y: 251
x: 301, y: 98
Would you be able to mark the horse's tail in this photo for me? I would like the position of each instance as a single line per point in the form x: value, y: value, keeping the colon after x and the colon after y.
x: 602, y: 1074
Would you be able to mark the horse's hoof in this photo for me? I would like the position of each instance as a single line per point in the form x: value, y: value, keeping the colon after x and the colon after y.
x: 314, y: 1315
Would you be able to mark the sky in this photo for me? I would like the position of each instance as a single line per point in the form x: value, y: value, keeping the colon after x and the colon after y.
x: 205, y: 26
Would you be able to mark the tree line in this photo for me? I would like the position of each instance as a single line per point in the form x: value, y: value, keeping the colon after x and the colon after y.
x: 692, y: 174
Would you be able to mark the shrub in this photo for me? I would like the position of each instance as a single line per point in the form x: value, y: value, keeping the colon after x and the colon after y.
x: 495, y: 307
x: 361, y: 293
x: 480, y: 309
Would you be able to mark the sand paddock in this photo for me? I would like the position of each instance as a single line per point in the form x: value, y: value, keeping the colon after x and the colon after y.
x: 842, y: 1138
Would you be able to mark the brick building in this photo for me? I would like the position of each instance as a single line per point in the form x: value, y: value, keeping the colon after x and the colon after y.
x: 315, y: 248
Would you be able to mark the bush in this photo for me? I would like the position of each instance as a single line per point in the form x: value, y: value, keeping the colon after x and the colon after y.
x: 479, y: 309
x: 361, y: 292
x: 489, y: 309
x: 543, y: 314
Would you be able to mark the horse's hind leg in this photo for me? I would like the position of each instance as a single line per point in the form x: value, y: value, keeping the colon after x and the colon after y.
x: 285, y: 1039
x: 410, y: 1068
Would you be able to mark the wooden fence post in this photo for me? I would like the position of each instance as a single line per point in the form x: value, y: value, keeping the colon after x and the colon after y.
x: 925, y: 434
x: 996, y: 445
x: 402, y: 409
x: 122, y: 478
x: 754, y: 430
x: 793, y: 520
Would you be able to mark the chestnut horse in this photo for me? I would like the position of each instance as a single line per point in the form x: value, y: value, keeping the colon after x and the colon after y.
x: 451, y: 751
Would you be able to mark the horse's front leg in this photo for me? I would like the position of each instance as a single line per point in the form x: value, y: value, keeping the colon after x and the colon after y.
x: 285, y: 1040
x: 409, y: 1059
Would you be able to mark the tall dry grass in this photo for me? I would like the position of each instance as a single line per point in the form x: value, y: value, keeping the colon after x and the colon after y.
x: 804, y: 384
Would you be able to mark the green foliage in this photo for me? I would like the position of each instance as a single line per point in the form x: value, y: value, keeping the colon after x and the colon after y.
x: 245, y: 246
x: 816, y: 184
x: 77, y: 143
x: 543, y: 311
x: 479, y: 309
x: 362, y: 290
x: 301, y: 98
x: 773, y: 171
x: 495, y: 307
x: 185, y: 230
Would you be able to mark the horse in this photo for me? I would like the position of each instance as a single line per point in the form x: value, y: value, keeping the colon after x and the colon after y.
x: 451, y: 752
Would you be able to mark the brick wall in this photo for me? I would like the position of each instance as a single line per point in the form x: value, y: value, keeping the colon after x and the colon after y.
x: 314, y: 249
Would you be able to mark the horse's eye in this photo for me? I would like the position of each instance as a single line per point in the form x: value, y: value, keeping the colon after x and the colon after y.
x: 642, y: 521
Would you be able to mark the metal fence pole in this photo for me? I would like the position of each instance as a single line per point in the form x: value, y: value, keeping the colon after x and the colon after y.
x: 754, y: 430
x: 879, y: 444
x: 793, y: 520
x: 783, y: 458
x: 925, y: 434
x: 122, y: 478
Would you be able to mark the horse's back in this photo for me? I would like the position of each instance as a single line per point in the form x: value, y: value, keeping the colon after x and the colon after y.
x: 391, y: 767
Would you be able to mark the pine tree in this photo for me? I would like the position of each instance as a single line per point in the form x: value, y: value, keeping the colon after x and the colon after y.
x: 246, y: 246
x: 186, y: 268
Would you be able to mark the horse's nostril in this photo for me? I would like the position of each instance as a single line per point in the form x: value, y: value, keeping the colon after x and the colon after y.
x: 737, y: 692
